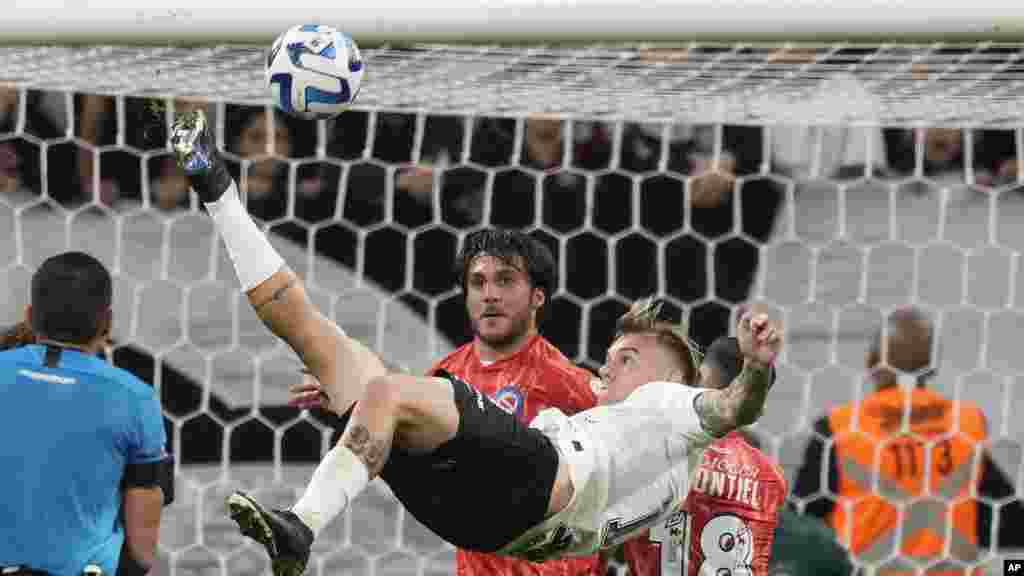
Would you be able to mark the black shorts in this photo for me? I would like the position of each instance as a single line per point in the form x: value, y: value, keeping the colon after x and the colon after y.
x: 483, y: 488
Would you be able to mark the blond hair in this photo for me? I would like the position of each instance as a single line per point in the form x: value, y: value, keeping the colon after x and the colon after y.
x: 644, y: 317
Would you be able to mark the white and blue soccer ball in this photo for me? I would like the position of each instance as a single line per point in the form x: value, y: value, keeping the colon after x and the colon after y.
x: 314, y: 71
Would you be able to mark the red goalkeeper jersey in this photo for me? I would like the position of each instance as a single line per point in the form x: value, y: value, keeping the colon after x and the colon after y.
x: 726, y: 524
x: 535, y: 378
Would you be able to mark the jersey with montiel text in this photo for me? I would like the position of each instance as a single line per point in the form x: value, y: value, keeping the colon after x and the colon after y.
x: 727, y: 522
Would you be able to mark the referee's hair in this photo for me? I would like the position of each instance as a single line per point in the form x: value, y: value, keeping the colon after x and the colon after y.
x: 71, y: 298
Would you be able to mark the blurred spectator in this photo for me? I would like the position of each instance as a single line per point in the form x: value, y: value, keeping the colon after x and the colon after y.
x: 879, y: 474
x: 942, y: 159
x: 366, y: 181
x: 270, y: 142
x: 829, y: 145
x: 96, y: 126
x: 20, y: 163
x: 10, y: 182
x: 441, y: 151
x: 994, y: 157
x: 262, y: 141
x: 995, y: 162
x: 713, y: 189
x: 493, y: 142
x: 168, y: 188
x: 10, y: 175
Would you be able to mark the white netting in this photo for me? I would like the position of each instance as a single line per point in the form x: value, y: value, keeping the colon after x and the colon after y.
x: 973, y: 84
x: 708, y: 176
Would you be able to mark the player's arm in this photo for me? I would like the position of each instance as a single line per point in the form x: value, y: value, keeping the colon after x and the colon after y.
x: 740, y: 403
x: 340, y: 363
x: 141, y: 508
x: 142, y: 486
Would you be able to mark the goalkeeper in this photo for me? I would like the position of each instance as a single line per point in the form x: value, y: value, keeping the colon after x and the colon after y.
x: 569, y: 485
x: 84, y: 483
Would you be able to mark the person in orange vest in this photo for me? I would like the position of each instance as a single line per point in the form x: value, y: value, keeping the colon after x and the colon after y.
x: 903, y: 462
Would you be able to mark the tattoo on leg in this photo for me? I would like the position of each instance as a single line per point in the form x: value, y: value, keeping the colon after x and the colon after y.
x: 372, y: 451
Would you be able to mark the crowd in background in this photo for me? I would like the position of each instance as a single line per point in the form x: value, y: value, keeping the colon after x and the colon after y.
x: 382, y: 172
x: 368, y: 176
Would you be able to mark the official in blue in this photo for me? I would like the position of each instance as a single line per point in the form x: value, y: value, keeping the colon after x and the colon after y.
x: 83, y: 455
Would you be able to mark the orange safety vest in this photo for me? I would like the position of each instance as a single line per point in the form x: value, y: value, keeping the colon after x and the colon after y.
x: 903, y: 476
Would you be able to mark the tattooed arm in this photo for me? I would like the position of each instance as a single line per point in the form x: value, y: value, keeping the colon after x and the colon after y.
x: 740, y: 403
x: 342, y: 364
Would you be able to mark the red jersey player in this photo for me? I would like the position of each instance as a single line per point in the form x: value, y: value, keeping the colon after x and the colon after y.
x: 507, y: 277
x: 727, y: 522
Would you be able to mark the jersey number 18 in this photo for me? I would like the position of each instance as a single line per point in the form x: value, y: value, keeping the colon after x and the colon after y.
x: 726, y: 546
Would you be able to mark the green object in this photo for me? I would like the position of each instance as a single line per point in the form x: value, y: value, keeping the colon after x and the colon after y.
x: 805, y: 546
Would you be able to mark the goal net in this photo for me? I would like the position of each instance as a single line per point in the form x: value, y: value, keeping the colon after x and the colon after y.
x: 835, y: 182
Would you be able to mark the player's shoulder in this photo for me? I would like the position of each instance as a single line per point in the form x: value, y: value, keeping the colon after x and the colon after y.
x: 736, y: 444
x: 84, y: 367
x: 455, y: 360
x: 769, y: 467
x: 962, y: 407
x: 744, y: 455
x: 551, y: 360
x: 970, y: 418
x: 13, y: 355
x: 124, y: 379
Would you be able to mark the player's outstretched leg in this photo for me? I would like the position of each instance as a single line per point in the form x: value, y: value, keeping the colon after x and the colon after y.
x: 286, y: 538
x: 420, y: 413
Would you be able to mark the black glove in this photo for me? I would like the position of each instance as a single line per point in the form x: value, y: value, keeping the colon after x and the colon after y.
x: 197, y: 156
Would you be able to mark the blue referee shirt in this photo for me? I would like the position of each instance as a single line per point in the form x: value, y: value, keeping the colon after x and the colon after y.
x: 67, y: 435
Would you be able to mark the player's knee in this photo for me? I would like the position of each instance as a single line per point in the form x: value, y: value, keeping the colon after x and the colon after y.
x: 384, y: 391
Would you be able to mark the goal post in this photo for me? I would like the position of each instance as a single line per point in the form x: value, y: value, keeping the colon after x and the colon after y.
x: 836, y: 160
x: 516, y: 21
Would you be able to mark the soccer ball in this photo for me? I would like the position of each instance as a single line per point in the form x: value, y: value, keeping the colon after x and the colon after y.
x: 314, y: 72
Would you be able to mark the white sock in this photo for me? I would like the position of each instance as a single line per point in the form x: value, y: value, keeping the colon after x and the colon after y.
x: 340, y: 477
x: 255, y: 260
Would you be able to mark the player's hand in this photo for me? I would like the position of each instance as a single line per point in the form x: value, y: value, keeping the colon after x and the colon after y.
x: 197, y: 156
x: 760, y: 338
x: 308, y: 394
